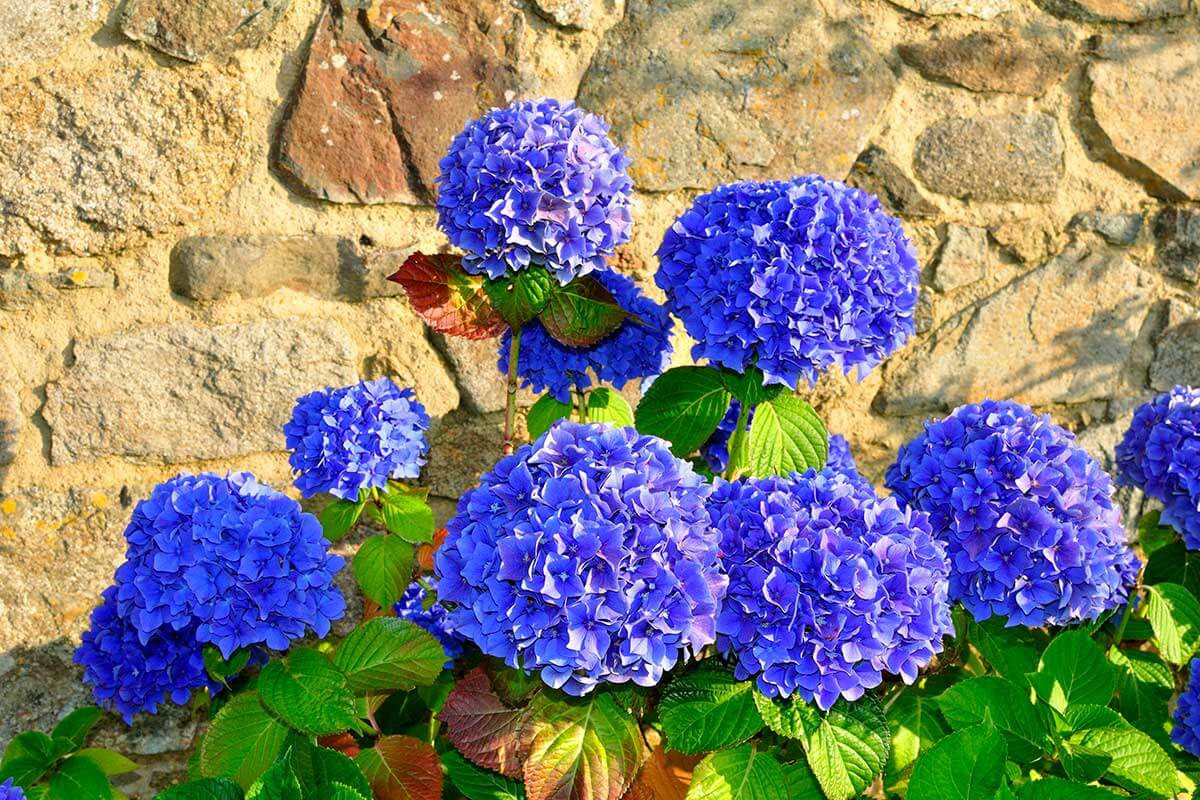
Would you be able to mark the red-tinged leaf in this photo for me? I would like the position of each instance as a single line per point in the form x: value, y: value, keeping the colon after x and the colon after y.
x: 582, y: 313
x: 342, y: 742
x: 482, y: 727
x: 581, y: 750
x: 402, y: 768
x: 450, y: 300
x: 664, y: 776
x: 426, y: 551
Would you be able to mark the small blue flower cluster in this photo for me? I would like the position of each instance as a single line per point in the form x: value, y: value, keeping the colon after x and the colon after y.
x: 588, y: 556
x: 357, y: 437
x: 1186, y: 732
x: 1160, y: 454
x: 639, y: 347
x: 538, y: 182
x: 790, y: 276
x: 214, y: 560
x: 435, y: 620
x: 9, y: 791
x: 1027, y: 516
x: 830, y: 586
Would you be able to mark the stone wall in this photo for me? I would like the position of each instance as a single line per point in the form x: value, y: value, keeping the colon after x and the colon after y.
x: 200, y: 199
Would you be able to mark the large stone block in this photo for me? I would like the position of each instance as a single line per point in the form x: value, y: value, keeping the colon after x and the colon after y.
x: 877, y: 173
x: 1115, y: 10
x: 193, y: 30
x: 991, y: 61
x: 705, y: 91
x: 1177, y: 353
x: 33, y: 30
x: 984, y: 9
x: 1177, y: 243
x: 184, y: 393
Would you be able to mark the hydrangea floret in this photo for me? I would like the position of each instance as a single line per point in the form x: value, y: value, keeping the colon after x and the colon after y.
x: 793, y: 277
x: 640, y: 347
x: 10, y: 791
x: 1160, y: 454
x: 587, y: 556
x: 1186, y: 732
x: 357, y: 437
x: 830, y: 586
x: 416, y: 606
x: 1026, y: 514
x: 538, y: 182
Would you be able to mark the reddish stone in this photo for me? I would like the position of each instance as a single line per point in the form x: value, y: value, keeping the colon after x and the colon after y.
x: 385, y: 89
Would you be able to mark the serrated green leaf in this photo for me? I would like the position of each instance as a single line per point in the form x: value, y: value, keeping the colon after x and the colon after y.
x: 75, y: 727
x: 1174, y: 614
x: 222, y: 669
x: 79, y: 779
x: 1073, y: 670
x: 340, y: 791
x: 203, y: 789
x: 544, y: 413
x: 402, y: 768
x: 406, y: 513
x: 242, y: 742
x: 790, y: 717
x: 589, y: 750
x: 383, y: 567
x: 1011, y: 652
x: 707, y: 709
x: 339, y: 516
x: 915, y: 725
x: 848, y: 747
x: 1152, y: 535
x: 1144, y: 689
x: 1083, y: 764
x: 581, y: 313
x: 990, y: 698
x: 388, y: 654
x: 479, y: 784
x: 802, y: 784
x: 110, y: 762
x: 786, y: 435
x: 277, y: 783
x: 1138, y: 763
x: 743, y: 773
x: 521, y: 295
x: 308, y: 693
x: 966, y: 765
x: 320, y: 768
x: 27, y: 757
x: 1057, y: 789
x: 605, y: 405
x: 748, y: 386
x: 684, y: 405
x: 1174, y: 563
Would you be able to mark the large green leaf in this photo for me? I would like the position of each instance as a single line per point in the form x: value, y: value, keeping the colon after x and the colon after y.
x: 581, y: 313
x: 1144, y: 689
x: 339, y: 516
x: 847, y: 747
x: 786, y: 436
x: 743, y: 773
x: 277, y: 783
x: 1073, y: 670
x: 605, y: 405
x: 544, y: 413
x: 309, y: 693
x: 110, y: 762
x: 242, y: 742
x: 521, y: 295
x: 27, y: 757
x: 707, y: 709
x: 75, y: 727
x: 1083, y: 764
x: 203, y: 789
x: 79, y: 779
x: 990, y: 698
x: 1174, y: 613
x: 1059, y: 789
x: 966, y: 765
x: 402, y: 768
x: 389, y: 654
x: 1174, y: 563
x: 383, y: 568
x: 223, y: 669
x: 915, y: 725
x: 406, y: 513
x: 748, y: 386
x: 1011, y: 652
x: 588, y: 750
x: 790, y: 717
x: 319, y: 769
x: 479, y: 784
x: 684, y: 405
x: 1138, y: 762
x: 1152, y: 536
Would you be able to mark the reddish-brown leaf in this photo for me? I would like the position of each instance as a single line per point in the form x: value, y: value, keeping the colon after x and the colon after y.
x: 481, y: 727
x: 450, y: 300
x: 664, y: 776
x: 402, y: 768
x: 581, y: 750
x: 425, y: 552
x: 342, y: 742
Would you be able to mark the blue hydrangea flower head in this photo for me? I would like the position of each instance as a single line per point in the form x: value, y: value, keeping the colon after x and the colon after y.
x: 538, y: 182
x: 1186, y: 732
x: 1026, y: 515
x: 587, y: 556
x: 433, y: 619
x: 1160, y: 454
x: 356, y: 437
x: 791, y: 276
x: 830, y: 586
x: 10, y: 791
x: 638, y: 348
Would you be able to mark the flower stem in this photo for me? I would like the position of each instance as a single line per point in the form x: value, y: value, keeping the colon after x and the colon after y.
x: 737, y: 444
x: 510, y: 408
x: 581, y: 399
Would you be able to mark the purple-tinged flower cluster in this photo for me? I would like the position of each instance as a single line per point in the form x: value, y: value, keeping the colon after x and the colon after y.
x: 538, y: 182
x: 588, y: 556
x: 356, y: 437
x: 790, y: 276
x: 434, y: 619
x: 1186, y: 732
x: 10, y: 791
x: 638, y: 348
x: 830, y: 586
x: 214, y: 560
x: 1027, y: 516
x: 1160, y: 454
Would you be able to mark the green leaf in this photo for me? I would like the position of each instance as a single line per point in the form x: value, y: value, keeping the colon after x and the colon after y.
x: 242, y: 742
x: 110, y: 762
x: 707, y: 709
x: 203, y: 789
x: 581, y: 313
x: 521, y: 295
x: 309, y: 693
x: 588, y: 749
x: 383, y: 568
x: 1174, y: 563
x: 790, y: 717
x: 1153, y: 535
x: 802, y: 784
x: 993, y: 699
x: 1058, y: 789
x: 544, y: 413
x: 320, y: 768
x: 966, y: 765
x: 743, y: 773
x: 27, y: 757
x: 402, y: 768
x: 76, y: 726
x: 605, y: 405
x: 479, y: 784
x: 79, y: 779
x: 915, y: 725
x: 1011, y: 652
x: 1083, y: 764
x: 847, y: 747
x: 1144, y: 689
x: 1073, y: 670
x: 786, y: 436
x: 1174, y: 613
x: 1138, y: 763
x: 748, y: 386
x: 339, y: 516
x: 340, y: 791
x: 219, y: 668
x: 277, y: 783
x: 684, y: 405
x: 388, y: 654
x: 406, y: 513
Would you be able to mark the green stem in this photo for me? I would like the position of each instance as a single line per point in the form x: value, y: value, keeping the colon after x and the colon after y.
x: 510, y: 408
x: 737, y: 443
x: 581, y: 401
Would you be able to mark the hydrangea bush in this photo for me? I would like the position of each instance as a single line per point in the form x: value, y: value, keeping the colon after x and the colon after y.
x: 702, y: 597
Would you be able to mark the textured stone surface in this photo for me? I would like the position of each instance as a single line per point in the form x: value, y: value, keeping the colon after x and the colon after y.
x: 461, y: 447
x: 1177, y: 236
x: 877, y: 173
x: 196, y: 29
x: 963, y: 258
x: 37, y: 29
x: 12, y: 421
x: 992, y: 158
x: 567, y: 13
x: 180, y: 392
x: 386, y: 87
x: 1121, y: 229
x: 1177, y: 353
x: 91, y: 159
x: 1060, y: 334
x: 473, y: 362
x: 19, y: 286
x: 991, y: 61
x: 1139, y: 111
x: 1115, y: 10
x: 984, y: 9
x: 706, y: 91
x: 41, y: 686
